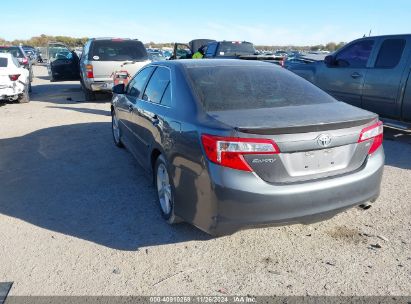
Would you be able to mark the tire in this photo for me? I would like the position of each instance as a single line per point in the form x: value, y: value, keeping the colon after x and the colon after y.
x: 25, y: 97
x: 88, y: 94
x: 165, y: 191
x: 115, y: 130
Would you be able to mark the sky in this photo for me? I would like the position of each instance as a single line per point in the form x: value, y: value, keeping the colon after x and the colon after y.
x: 262, y: 22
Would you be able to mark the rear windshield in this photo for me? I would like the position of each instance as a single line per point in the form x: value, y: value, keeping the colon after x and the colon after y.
x: 14, y: 50
x: 3, y: 62
x: 221, y: 88
x: 118, y: 50
x: 228, y: 48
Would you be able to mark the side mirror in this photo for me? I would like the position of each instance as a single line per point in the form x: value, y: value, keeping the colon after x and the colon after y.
x: 329, y: 60
x: 119, y: 88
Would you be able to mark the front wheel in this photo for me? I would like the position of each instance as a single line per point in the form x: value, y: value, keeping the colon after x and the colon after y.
x: 165, y: 192
x: 116, y: 130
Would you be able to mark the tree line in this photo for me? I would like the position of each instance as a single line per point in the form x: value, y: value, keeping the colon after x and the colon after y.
x: 42, y: 40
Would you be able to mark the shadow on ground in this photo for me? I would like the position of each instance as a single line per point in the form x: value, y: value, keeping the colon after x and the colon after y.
x: 83, y: 110
x: 397, y: 146
x: 73, y: 180
x: 61, y: 93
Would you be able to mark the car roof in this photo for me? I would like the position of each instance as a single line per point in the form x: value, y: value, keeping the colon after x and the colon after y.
x: 188, y: 63
x: 112, y: 38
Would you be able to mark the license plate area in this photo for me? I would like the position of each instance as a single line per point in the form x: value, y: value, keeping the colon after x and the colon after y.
x: 318, y: 161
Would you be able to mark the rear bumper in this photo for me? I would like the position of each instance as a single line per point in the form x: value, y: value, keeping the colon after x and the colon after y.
x: 11, y: 92
x: 99, y: 84
x: 237, y: 199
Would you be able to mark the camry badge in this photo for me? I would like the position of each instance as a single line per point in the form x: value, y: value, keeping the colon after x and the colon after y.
x: 324, y: 140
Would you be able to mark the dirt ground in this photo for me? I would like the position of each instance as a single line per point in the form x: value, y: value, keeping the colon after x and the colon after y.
x: 78, y: 216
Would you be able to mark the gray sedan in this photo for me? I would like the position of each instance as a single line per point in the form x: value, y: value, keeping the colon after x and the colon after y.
x: 233, y: 144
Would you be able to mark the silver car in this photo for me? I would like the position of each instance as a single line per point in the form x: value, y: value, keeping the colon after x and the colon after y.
x: 102, y: 57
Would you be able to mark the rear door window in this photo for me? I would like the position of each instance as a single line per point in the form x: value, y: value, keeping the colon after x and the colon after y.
x: 3, y: 62
x: 235, y: 48
x: 157, y: 85
x: 355, y: 55
x: 136, y: 85
x: 390, y: 53
x: 117, y: 50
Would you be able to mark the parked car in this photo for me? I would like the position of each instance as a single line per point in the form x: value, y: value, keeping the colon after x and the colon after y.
x: 372, y: 73
x: 31, y: 53
x: 14, y: 79
x: 156, y: 56
x: 224, y: 50
x: 21, y: 56
x: 237, y: 143
x: 104, y: 56
x: 63, y: 63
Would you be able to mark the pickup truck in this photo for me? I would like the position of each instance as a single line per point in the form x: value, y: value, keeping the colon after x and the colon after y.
x: 223, y: 49
x: 371, y: 73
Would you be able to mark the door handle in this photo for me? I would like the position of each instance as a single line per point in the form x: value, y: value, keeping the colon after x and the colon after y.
x: 356, y: 75
x: 130, y: 108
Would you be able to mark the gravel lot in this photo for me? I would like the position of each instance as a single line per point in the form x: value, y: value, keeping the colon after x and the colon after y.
x: 78, y: 217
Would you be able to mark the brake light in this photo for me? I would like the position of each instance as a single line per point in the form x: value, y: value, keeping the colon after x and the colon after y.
x: 374, y: 132
x: 14, y: 77
x: 25, y: 61
x: 89, y: 71
x: 229, y: 151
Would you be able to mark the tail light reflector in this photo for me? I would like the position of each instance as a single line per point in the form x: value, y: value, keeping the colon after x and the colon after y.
x: 89, y: 71
x: 14, y: 77
x: 374, y: 133
x: 229, y: 151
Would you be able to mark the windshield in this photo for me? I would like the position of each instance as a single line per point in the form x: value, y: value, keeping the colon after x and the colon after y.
x: 59, y: 51
x: 118, y: 50
x: 233, y: 48
x: 222, y: 88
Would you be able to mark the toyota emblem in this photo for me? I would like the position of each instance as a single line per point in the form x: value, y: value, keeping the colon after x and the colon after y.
x: 324, y: 140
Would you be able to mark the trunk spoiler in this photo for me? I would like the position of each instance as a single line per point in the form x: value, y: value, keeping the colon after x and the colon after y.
x: 306, y: 128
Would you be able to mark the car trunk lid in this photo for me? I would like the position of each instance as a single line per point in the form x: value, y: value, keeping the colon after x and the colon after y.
x: 315, y: 141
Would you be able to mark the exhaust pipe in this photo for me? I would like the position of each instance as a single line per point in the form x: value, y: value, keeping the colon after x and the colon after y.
x: 365, y: 206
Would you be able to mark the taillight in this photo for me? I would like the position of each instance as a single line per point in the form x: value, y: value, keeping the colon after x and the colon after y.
x: 25, y: 61
x: 374, y: 133
x: 14, y: 77
x: 89, y: 71
x: 229, y: 151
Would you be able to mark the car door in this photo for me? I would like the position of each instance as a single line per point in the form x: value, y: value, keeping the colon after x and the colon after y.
x: 383, y: 81
x: 211, y: 49
x: 63, y: 64
x: 128, y: 108
x: 150, y: 116
x: 344, y: 79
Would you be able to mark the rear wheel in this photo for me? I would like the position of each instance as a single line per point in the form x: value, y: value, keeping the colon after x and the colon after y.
x: 165, y: 192
x: 116, y: 130
x: 25, y: 97
x: 88, y: 94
